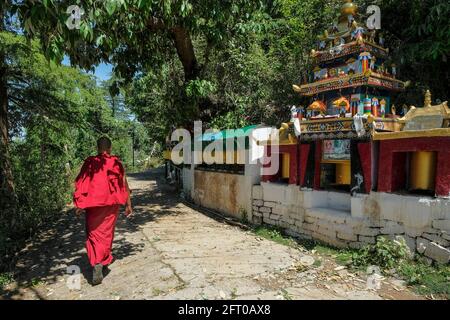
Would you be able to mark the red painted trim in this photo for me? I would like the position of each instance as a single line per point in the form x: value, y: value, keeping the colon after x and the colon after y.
x: 443, y: 172
x: 303, y: 163
x: 365, y: 155
x: 317, y: 167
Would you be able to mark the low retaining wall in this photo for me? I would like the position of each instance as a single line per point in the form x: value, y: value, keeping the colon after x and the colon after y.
x: 223, y: 192
x: 344, y: 221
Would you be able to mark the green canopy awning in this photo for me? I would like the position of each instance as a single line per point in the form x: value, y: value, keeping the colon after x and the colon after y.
x: 227, y: 134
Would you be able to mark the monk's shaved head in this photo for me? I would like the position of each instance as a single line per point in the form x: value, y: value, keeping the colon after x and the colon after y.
x: 104, y: 144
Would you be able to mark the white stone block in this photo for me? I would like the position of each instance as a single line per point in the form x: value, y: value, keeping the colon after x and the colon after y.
x: 339, y: 200
x: 258, y: 203
x: 324, y: 224
x: 346, y: 236
x: 329, y: 215
x: 310, y: 219
x: 368, y: 232
x: 391, y: 206
x: 445, y: 236
x: 285, y: 218
x: 274, y: 192
x: 437, y: 239
x: 357, y: 222
x: 257, y: 214
x: 431, y: 230
x: 326, y: 232
x: 275, y: 217
x: 392, y: 228
x: 413, y: 232
x: 441, y: 224
x: 438, y: 253
x: 344, y: 228
x: 294, y: 196
x: 270, y: 221
x: 417, y: 213
x: 265, y: 210
x: 314, y: 199
x: 367, y: 240
x: 298, y: 223
x: 440, y: 208
x: 422, y: 245
x: 357, y: 206
x: 270, y: 204
x: 257, y: 193
x: 310, y: 226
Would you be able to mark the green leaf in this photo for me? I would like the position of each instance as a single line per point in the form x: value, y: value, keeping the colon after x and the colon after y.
x: 110, y: 6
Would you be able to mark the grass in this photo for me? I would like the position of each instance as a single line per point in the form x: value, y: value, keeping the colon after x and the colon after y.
x: 157, y: 291
x: 285, y: 295
x: 233, y: 294
x: 426, y: 279
x: 275, y: 235
x: 5, y: 279
x: 35, y: 282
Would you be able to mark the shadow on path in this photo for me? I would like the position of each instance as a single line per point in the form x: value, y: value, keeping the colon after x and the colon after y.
x: 47, y: 256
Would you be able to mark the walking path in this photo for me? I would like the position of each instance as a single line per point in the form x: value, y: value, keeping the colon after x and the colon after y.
x: 170, y: 251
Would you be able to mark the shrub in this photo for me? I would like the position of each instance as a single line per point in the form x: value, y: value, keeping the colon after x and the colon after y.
x: 386, y: 254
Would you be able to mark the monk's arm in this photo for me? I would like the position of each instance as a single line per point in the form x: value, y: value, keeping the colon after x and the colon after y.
x: 129, y: 208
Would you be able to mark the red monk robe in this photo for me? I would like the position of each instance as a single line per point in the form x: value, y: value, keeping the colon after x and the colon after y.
x: 100, y: 189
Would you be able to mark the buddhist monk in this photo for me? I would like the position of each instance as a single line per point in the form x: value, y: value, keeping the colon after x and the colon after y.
x: 101, y: 189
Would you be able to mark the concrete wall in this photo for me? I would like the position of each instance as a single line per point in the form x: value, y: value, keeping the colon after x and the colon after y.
x: 227, y: 193
x: 344, y: 221
x: 188, y: 182
x: 223, y: 192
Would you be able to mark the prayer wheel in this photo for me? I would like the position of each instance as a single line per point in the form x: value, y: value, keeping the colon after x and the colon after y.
x: 285, y: 165
x: 423, y: 170
x: 343, y: 173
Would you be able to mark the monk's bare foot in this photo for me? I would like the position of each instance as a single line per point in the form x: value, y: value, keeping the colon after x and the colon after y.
x: 97, y: 274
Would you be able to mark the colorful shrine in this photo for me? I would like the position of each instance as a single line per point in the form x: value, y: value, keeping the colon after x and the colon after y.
x: 351, y: 168
x: 350, y: 137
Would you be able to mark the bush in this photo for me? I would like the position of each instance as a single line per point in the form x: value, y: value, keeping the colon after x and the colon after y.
x: 389, y: 254
x: 386, y: 254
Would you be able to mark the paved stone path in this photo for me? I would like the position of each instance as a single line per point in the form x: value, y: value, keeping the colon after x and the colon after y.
x: 169, y: 251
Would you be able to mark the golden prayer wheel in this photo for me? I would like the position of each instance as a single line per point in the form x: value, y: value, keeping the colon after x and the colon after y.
x: 423, y: 170
x: 285, y: 165
x: 343, y: 173
x: 167, y: 155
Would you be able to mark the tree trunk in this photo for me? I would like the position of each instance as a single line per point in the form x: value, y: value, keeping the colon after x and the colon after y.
x: 186, y: 54
x: 8, y: 200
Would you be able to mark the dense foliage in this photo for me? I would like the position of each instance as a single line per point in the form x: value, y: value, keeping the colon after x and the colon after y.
x: 56, y: 115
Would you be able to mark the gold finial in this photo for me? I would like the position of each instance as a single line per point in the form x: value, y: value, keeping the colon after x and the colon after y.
x: 427, y: 102
x: 349, y: 8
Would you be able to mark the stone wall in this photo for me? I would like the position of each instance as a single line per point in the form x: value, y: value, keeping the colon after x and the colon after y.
x: 344, y: 221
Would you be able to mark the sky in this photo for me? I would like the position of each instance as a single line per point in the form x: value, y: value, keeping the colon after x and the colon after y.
x: 102, y: 71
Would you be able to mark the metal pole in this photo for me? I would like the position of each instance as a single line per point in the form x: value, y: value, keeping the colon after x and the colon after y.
x: 132, y: 147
